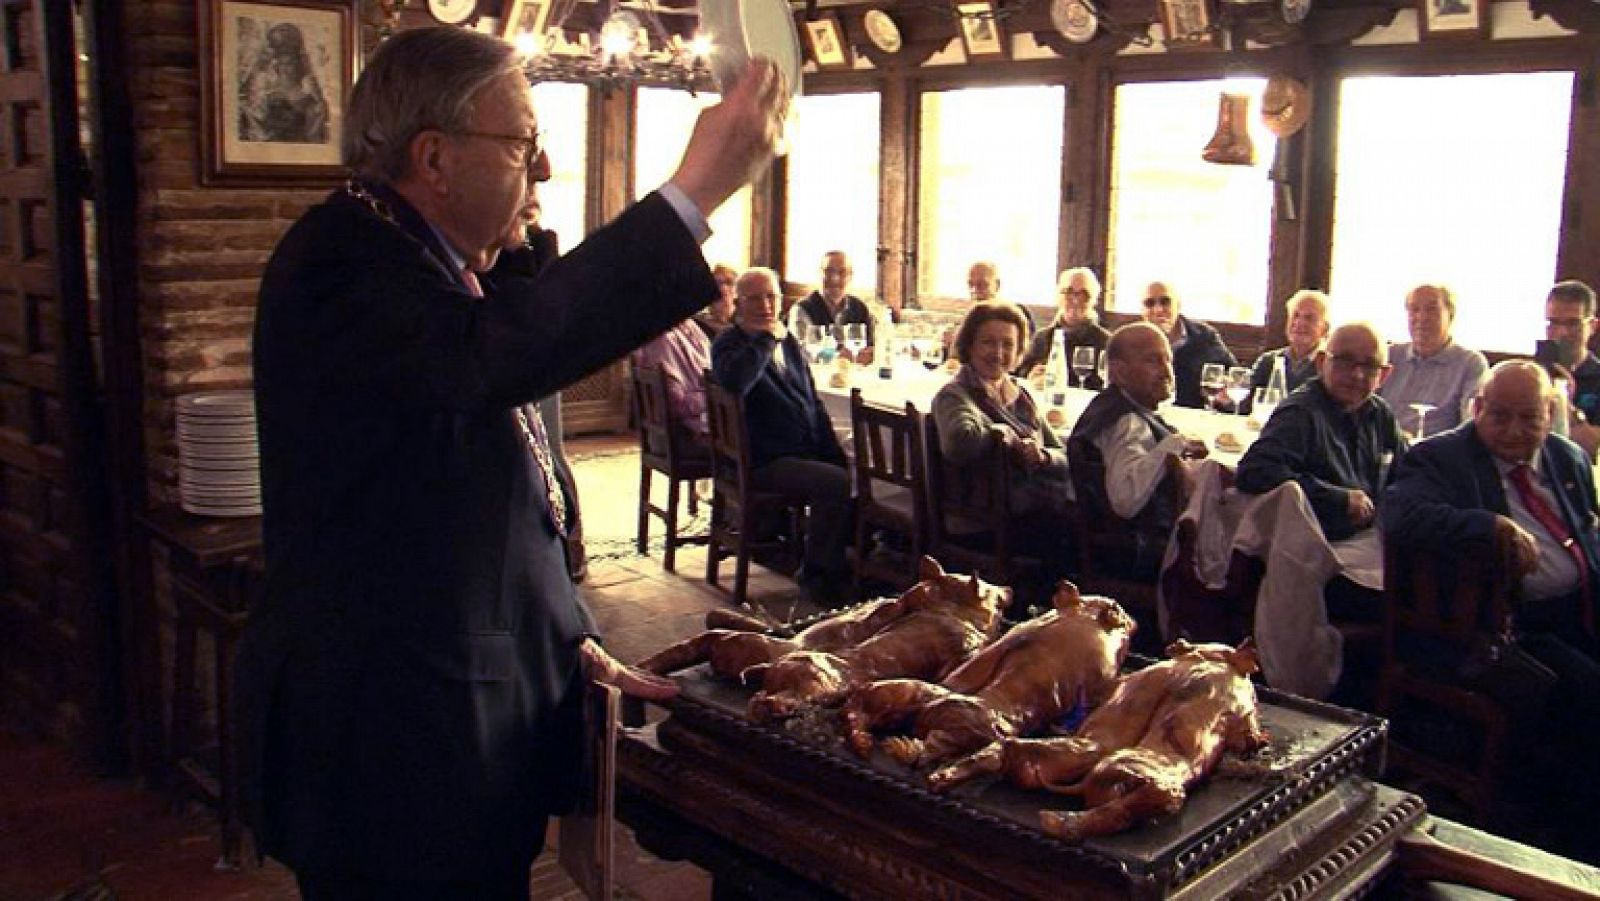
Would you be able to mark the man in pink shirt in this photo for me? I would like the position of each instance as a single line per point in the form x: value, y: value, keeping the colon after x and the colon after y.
x: 682, y: 354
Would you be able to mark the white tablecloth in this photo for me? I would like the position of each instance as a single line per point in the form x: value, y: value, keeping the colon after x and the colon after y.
x: 911, y: 382
x: 1301, y: 652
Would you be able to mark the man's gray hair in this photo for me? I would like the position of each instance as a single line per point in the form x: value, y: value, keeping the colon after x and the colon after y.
x: 419, y: 79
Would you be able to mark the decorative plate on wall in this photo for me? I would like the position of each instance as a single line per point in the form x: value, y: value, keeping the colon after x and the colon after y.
x: 452, y: 12
x: 1294, y: 11
x: 881, y: 31
x: 1074, y: 19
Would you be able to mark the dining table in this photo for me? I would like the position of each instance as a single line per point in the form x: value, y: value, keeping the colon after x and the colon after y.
x: 909, y: 381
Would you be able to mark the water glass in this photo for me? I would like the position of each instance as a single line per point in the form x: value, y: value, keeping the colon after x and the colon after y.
x: 1213, y: 378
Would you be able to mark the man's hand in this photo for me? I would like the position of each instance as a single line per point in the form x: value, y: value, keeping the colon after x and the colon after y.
x: 864, y: 358
x: 1524, y: 547
x: 634, y: 682
x: 734, y: 140
x: 1194, y: 449
x: 1360, y: 508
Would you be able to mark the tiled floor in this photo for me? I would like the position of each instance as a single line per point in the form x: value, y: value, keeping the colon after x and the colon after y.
x: 61, y: 828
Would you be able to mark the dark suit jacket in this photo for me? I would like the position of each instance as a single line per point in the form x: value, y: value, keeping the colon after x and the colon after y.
x: 406, y: 691
x: 785, y: 416
x: 1204, y: 345
x: 1446, y: 493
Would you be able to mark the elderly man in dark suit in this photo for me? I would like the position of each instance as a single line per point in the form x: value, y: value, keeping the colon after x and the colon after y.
x: 792, y: 444
x: 410, y: 688
x: 1194, y: 343
x: 1505, y: 473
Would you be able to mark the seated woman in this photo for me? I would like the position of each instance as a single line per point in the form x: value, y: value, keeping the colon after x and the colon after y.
x: 985, y: 397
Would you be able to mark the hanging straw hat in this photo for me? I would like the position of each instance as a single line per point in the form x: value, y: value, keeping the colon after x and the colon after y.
x: 1285, y: 105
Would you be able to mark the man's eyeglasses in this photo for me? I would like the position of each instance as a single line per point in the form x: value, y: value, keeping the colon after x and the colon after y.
x: 528, y: 151
x: 1573, y: 324
x: 1365, y: 368
x: 1162, y: 301
x: 1080, y: 295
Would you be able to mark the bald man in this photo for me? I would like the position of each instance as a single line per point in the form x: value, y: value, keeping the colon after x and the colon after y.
x: 1332, y: 435
x: 1119, y: 447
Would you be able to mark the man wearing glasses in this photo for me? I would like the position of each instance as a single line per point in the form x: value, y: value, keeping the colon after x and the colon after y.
x: 1335, y: 437
x: 1569, y: 321
x: 410, y: 687
x: 1194, y: 344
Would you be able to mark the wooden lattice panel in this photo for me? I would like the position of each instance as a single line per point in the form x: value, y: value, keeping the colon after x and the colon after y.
x: 47, y: 659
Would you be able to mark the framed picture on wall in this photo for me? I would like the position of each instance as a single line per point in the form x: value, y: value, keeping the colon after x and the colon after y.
x: 1453, y: 18
x: 1189, y: 24
x: 825, y: 36
x: 981, y: 33
x: 274, y: 80
x: 525, y: 17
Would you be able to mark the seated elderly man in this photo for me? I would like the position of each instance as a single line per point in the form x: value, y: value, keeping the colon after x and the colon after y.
x: 1078, y: 322
x: 1194, y: 344
x: 1504, y: 474
x: 985, y: 397
x: 1119, y: 447
x: 682, y: 354
x: 1333, y: 436
x: 792, y: 445
x: 1432, y: 369
x: 1569, y: 321
x: 832, y: 305
x: 1308, y: 326
x: 983, y: 286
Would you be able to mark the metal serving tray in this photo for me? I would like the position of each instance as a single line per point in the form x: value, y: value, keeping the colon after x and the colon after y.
x: 1313, y: 747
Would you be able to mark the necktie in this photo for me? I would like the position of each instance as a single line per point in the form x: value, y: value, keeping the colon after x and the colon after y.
x: 532, y: 425
x: 1522, y: 481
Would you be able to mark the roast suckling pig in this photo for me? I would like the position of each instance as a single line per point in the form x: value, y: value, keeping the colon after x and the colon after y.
x: 924, y: 633
x: 1164, y: 729
x: 1018, y: 685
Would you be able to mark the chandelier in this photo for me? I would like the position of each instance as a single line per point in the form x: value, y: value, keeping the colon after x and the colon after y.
x: 631, y: 45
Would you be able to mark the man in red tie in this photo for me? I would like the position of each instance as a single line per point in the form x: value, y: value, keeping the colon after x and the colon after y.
x: 1503, y: 474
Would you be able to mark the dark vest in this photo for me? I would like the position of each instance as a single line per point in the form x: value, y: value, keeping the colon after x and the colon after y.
x: 853, y: 312
x: 1151, y: 524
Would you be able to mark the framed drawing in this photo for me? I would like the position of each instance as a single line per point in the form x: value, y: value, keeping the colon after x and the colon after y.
x: 826, y: 37
x: 1188, y: 24
x: 525, y: 17
x: 1453, y: 18
x: 981, y: 33
x: 274, y: 77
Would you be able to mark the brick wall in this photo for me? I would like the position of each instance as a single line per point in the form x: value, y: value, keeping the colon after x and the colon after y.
x: 201, y: 248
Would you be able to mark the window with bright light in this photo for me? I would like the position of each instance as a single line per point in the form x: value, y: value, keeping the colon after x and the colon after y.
x: 665, y: 118
x: 990, y: 189
x: 833, y: 187
x: 1204, y: 229
x: 563, y: 111
x: 1453, y: 179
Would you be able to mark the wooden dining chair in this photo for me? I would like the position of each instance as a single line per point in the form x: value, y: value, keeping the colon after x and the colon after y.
x: 662, y: 449
x: 889, y: 486
x: 970, y: 524
x: 738, y: 509
x: 1452, y: 601
x: 1111, y: 555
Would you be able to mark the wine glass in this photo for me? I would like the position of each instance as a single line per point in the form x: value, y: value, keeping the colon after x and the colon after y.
x: 811, y: 337
x: 1082, y: 362
x: 1213, y: 378
x: 1100, y: 364
x: 855, y: 338
x: 1422, y: 409
x: 933, y: 354
x: 829, y: 342
x: 1238, y: 387
x: 1266, y: 401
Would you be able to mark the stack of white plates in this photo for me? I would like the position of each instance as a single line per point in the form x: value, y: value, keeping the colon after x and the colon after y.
x: 218, y: 461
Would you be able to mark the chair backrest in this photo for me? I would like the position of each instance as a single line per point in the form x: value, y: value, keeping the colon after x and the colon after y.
x: 978, y: 492
x: 887, y: 444
x: 655, y: 426
x: 1096, y: 530
x: 730, y: 440
x: 1453, y: 596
